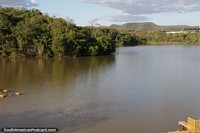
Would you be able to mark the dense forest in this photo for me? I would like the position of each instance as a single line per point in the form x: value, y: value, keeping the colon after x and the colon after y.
x: 30, y: 33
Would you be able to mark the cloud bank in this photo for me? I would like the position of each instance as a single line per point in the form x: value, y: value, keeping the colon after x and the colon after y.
x: 18, y: 3
x: 138, y: 10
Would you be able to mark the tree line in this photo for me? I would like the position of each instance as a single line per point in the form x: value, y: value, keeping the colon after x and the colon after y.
x: 31, y: 33
x: 162, y: 37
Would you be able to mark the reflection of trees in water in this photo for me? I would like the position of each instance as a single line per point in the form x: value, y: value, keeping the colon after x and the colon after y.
x: 58, y: 71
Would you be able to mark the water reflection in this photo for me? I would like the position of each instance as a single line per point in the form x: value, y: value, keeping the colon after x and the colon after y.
x: 57, y: 92
x: 140, y: 89
x: 59, y: 71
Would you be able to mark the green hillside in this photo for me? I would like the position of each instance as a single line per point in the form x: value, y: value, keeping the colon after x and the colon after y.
x: 149, y: 26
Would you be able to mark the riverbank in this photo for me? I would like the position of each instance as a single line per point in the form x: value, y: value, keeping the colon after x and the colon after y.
x: 68, y: 56
x: 170, y: 43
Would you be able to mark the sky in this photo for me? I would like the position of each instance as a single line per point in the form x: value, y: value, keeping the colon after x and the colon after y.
x: 107, y: 12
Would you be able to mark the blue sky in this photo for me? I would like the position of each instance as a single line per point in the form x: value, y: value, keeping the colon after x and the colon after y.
x: 81, y: 12
x: 106, y: 12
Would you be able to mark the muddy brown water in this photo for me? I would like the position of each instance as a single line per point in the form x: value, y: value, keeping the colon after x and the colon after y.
x: 136, y: 90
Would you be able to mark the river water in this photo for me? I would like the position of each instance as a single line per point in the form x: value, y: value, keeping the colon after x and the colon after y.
x: 136, y: 90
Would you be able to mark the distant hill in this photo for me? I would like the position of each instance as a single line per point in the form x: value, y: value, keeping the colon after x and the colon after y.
x: 137, y: 26
x: 149, y: 26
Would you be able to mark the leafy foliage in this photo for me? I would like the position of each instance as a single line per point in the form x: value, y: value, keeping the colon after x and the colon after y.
x: 162, y: 37
x: 30, y: 33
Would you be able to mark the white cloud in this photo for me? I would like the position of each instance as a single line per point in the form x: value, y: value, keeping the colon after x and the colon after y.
x: 138, y: 10
x: 18, y: 3
x: 150, y: 6
x: 33, y: 1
